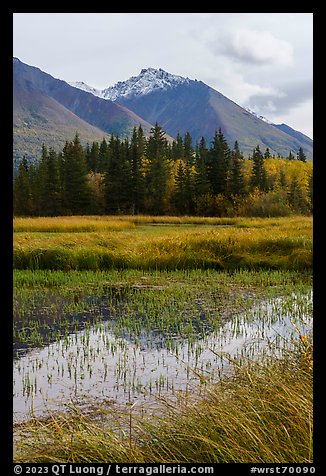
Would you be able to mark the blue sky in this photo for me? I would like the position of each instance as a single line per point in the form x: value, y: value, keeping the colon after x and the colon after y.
x: 263, y: 61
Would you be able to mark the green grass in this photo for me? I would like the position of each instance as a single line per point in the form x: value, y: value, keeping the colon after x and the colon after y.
x: 74, y: 279
x: 260, y: 413
x: 96, y: 243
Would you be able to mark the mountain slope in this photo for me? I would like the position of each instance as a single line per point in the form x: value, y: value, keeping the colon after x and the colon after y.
x: 180, y: 104
x: 195, y: 107
x: 49, y: 110
x: 296, y: 134
x: 39, y: 119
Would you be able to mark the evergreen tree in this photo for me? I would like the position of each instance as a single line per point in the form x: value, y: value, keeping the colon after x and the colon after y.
x: 301, y: 155
x: 118, y: 177
x: 219, y: 164
x: 290, y: 156
x: 188, y: 148
x: 177, y: 151
x: 158, y: 170
x: 77, y: 195
x: 40, y: 185
x: 282, y: 179
x: 202, y: 183
x: 267, y: 153
x: 137, y: 185
x: 184, y: 188
x: 53, y: 188
x: 141, y: 141
x: 102, y: 162
x: 38, y: 175
x: 188, y: 179
x: 22, y: 196
x: 93, y: 156
x: 87, y: 156
x: 237, y: 183
x: 180, y: 194
x: 61, y: 167
x: 35, y: 186
x: 259, y: 175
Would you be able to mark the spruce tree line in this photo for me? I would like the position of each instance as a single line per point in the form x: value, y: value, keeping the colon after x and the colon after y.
x: 139, y: 175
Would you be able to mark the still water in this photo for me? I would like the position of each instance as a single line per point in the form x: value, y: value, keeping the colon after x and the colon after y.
x: 108, y: 364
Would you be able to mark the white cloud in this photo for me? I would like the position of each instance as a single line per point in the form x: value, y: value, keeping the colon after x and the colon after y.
x: 260, y: 47
x: 235, y: 86
x: 292, y: 94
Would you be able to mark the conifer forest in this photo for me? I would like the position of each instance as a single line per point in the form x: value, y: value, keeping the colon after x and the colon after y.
x: 154, y: 176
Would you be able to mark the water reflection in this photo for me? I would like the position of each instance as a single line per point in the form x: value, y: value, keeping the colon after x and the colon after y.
x: 107, y: 361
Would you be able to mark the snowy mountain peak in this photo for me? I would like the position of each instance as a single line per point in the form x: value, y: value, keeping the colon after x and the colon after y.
x: 148, y: 80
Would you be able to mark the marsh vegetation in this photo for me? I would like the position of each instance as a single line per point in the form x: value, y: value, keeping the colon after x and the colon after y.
x: 158, y: 339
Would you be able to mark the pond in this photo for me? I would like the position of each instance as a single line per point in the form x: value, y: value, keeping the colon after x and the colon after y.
x: 140, y: 344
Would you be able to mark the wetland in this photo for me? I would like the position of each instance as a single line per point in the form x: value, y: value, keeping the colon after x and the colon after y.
x: 113, y: 314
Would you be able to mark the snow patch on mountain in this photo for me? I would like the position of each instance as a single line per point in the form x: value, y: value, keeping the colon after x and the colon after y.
x: 257, y: 115
x: 84, y: 87
x: 149, y: 80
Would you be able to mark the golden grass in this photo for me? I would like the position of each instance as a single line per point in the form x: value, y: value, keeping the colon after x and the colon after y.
x: 73, y: 224
x: 98, y: 223
x: 106, y: 242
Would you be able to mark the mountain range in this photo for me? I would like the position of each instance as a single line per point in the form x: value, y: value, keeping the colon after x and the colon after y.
x: 50, y: 111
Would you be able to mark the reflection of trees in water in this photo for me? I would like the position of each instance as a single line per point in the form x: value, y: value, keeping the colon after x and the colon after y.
x: 53, y: 316
x: 153, y: 317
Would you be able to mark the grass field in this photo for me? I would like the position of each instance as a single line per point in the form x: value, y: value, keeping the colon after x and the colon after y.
x: 164, y: 243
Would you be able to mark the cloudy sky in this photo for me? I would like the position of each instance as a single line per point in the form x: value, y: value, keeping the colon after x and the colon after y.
x: 263, y: 61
